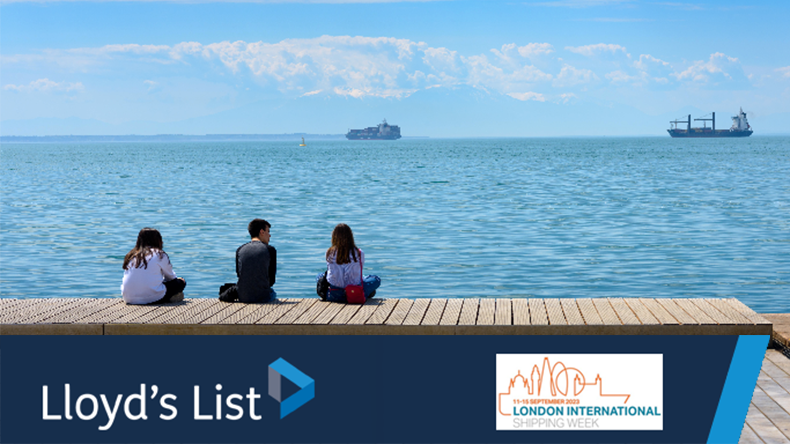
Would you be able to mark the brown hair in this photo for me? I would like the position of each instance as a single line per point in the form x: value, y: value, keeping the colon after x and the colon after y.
x: 148, y: 240
x: 255, y: 227
x: 342, y: 245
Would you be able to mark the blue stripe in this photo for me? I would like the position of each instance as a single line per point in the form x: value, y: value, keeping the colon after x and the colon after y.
x: 738, y: 389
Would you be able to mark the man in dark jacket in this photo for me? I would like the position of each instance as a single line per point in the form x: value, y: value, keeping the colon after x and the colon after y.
x: 256, y: 266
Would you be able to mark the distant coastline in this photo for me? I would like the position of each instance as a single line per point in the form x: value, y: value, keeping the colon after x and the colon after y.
x: 179, y: 138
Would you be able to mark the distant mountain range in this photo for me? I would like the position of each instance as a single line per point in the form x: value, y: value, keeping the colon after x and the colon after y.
x: 437, y: 112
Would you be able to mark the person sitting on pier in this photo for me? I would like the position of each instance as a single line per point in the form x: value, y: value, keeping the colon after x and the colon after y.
x: 256, y: 267
x: 344, y: 262
x: 148, y: 276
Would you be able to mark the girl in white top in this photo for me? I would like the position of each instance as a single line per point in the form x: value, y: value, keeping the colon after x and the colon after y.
x: 148, y: 276
x: 344, y: 262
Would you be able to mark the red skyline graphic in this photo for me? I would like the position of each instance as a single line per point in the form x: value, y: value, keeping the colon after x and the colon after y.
x: 538, y: 379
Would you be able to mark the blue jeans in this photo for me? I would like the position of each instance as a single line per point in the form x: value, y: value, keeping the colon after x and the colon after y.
x: 336, y: 294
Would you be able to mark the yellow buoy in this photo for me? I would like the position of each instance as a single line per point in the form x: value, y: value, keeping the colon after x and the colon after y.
x: 302, y: 144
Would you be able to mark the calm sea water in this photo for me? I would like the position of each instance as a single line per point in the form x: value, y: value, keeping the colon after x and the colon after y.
x: 601, y: 217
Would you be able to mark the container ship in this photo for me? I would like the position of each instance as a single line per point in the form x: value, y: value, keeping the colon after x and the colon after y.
x: 383, y: 131
x: 740, y: 127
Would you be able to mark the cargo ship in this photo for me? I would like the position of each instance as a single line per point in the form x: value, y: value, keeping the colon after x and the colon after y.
x: 383, y: 131
x: 740, y: 127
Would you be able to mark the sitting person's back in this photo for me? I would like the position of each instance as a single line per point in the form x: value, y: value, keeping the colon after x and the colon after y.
x: 256, y: 265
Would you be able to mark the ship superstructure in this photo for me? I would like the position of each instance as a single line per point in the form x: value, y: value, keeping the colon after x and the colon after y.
x: 383, y: 131
x: 740, y: 127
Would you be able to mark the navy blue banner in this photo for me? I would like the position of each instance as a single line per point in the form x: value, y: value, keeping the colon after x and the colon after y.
x: 330, y: 389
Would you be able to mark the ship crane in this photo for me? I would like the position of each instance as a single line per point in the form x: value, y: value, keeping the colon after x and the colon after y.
x: 687, y: 122
x: 712, y: 119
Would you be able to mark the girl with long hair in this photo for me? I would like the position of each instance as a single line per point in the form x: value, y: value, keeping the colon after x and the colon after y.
x: 344, y: 262
x: 148, y: 276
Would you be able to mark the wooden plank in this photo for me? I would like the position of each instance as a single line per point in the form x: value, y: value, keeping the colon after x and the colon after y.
x: 729, y: 311
x: 746, y: 311
x: 327, y: 315
x: 223, y: 314
x: 452, y: 311
x: 719, y: 317
x: 520, y: 311
x: 400, y: 312
x: 417, y: 312
x: 8, y: 315
x: 293, y: 314
x: 365, y: 311
x: 248, y: 314
x: 777, y: 394
x: 502, y: 315
x: 589, y: 313
x: 571, y: 310
x: 749, y: 437
x: 537, y: 312
x: 554, y: 312
x: 763, y: 427
x: 435, y: 311
x: 772, y: 370
x: 624, y: 312
x: 281, y: 307
x: 606, y: 312
x: 346, y: 313
x: 54, y: 316
x: 694, y: 312
x: 641, y: 311
x: 382, y: 312
x: 776, y: 357
x: 132, y: 312
x: 486, y: 314
x: 102, y: 316
x: 678, y: 313
x: 313, y: 312
x: 469, y: 312
x: 667, y: 312
x: 76, y: 316
x: 776, y: 414
x: 34, y: 308
x: 195, y: 311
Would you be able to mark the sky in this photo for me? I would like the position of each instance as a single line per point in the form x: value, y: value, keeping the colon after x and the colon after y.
x: 436, y: 68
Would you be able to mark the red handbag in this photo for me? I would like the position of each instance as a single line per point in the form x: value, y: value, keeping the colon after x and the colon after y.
x: 355, y: 294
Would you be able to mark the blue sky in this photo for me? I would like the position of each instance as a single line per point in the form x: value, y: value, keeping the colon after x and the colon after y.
x: 434, y: 67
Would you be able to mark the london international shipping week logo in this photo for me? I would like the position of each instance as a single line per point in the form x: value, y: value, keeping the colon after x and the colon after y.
x: 579, y: 392
x: 280, y: 369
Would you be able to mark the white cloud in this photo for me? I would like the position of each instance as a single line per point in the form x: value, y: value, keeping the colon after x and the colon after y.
x: 647, y: 62
x: 571, y: 76
x: 535, y: 49
x: 311, y: 93
x: 566, y: 97
x: 720, y: 67
x: 621, y: 77
x: 46, y: 85
x: 528, y: 96
x: 784, y: 72
x: 599, y: 48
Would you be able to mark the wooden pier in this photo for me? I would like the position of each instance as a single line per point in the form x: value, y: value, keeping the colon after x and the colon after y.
x: 604, y: 316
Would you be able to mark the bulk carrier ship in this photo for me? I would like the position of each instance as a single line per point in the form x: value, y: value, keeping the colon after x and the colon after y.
x: 740, y: 127
x: 383, y: 131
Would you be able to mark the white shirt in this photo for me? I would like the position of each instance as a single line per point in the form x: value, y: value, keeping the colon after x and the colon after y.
x: 346, y: 274
x: 146, y: 285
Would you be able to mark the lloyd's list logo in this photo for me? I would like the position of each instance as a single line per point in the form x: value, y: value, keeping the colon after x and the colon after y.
x: 283, y: 369
x: 580, y: 392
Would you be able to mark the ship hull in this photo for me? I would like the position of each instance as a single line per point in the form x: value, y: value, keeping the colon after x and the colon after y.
x: 353, y: 137
x: 698, y: 133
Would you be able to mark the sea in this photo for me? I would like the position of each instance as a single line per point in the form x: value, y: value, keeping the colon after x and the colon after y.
x: 437, y: 218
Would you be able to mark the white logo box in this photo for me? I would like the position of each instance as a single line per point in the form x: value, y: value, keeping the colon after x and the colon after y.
x: 591, y: 392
